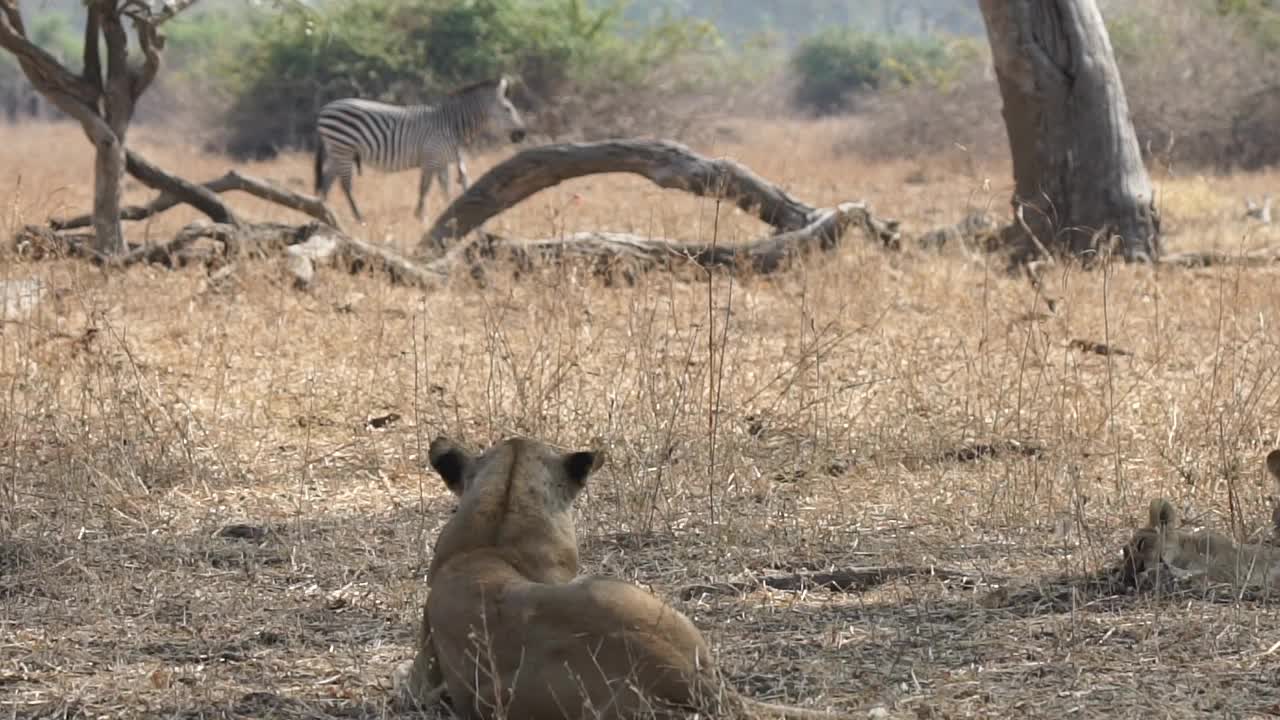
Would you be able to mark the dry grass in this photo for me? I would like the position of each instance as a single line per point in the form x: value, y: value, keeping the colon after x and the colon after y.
x: 755, y: 427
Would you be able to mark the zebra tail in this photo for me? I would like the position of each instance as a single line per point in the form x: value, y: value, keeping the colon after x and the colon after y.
x: 319, y: 164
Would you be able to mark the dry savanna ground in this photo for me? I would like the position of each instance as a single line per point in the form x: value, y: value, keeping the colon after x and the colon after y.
x: 832, y: 417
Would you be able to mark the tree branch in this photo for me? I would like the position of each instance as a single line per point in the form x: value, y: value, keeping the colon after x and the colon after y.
x: 233, y: 180
x: 847, y: 580
x: 13, y: 16
x: 92, y: 71
x: 151, y: 42
x: 194, y: 195
x: 119, y: 97
x: 172, y: 9
x: 46, y: 74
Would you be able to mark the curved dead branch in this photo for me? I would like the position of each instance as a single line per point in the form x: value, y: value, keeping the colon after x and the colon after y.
x: 667, y: 164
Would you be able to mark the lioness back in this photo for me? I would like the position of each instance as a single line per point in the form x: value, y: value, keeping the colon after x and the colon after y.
x: 595, y: 643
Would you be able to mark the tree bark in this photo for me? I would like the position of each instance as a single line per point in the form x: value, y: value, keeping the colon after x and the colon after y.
x: 108, y: 167
x: 1077, y: 168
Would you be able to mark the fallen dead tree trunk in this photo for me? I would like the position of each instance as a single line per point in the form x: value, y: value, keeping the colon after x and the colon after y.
x: 610, y: 253
x: 667, y: 164
x: 799, y: 229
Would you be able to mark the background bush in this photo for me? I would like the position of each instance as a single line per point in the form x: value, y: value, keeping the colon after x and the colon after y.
x: 413, y: 51
x: 836, y: 68
x: 249, y: 76
x: 1200, y: 77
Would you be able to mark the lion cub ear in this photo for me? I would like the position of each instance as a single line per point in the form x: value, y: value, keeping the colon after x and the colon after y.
x: 1162, y: 513
x: 451, y: 462
x: 579, y: 465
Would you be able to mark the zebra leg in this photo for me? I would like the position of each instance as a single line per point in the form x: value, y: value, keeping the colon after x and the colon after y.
x: 345, y: 182
x: 443, y: 174
x: 424, y: 185
x: 463, y: 180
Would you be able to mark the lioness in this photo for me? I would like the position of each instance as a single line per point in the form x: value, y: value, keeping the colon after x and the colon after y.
x: 1204, y: 553
x: 513, y: 635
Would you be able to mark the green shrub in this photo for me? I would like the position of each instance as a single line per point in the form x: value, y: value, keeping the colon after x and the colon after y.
x: 836, y: 67
x: 1261, y: 18
x: 410, y: 51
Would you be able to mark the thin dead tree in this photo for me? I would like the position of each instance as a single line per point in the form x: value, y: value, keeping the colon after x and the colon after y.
x: 1077, y: 166
x: 102, y: 98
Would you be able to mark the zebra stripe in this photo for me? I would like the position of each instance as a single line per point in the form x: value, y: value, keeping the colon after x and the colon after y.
x: 394, y: 138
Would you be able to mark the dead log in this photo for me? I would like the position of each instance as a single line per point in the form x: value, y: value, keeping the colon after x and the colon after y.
x: 1210, y: 258
x: 667, y: 164
x: 233, y: 180
x: 164, y: 253
x: 326, y: 245
x: 847, y: 580
x: 631, y: 254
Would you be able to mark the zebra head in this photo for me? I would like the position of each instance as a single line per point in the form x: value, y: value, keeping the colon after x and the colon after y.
x: 505, y: 115
x: 482, y: 108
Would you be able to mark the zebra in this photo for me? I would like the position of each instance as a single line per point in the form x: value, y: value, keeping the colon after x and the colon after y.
x: 395, y: 138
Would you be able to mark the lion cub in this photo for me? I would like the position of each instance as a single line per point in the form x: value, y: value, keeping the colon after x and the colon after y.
x: 511, y: 632
x: 1162, y: 544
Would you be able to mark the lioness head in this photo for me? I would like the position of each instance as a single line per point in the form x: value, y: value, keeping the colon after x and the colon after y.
x: 1146, y: 548
x: 517, y: 497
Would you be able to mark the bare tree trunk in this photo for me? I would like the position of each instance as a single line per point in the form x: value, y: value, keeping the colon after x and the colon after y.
x: 108, y: 166
x: 1077, y: 169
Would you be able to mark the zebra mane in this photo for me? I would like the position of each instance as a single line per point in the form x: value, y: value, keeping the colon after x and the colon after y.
x: 486, y: 84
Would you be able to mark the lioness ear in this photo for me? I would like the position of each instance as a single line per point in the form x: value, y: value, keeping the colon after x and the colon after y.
x: 450, y: 461
x: 1162, y: 514
x: 580, y: 465
x: 1273, y: 463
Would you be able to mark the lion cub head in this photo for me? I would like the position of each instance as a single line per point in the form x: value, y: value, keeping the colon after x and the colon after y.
x: 1145, y: 550
x: 1203, y: 553
x: 517, y: 496
x: 1162, y: 544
